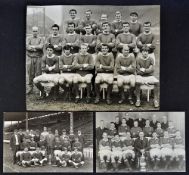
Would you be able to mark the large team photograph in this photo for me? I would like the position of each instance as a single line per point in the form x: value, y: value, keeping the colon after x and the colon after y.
x: 92, y: 58
x: 140, y: 142
x: 48, y: 142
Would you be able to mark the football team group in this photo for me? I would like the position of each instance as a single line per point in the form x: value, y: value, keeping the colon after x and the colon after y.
x: 35, y: 148
x: 92, y: 54
x: 127, y: 143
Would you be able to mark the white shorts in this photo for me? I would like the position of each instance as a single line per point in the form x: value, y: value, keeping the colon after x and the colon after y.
x: 146, y: 80
x: 68, y: 77
x: 57, y: 152
x: 105, y: 152
x: 18, y: 153
x: 127, y: 79
x: 83, y: 79
x: 116, y: 153
x: 105, y: 77
x: 155, y: 152
x: 47, y: 78
x: 179, y: 152
x: 166, y: 152
x: 127, y: 152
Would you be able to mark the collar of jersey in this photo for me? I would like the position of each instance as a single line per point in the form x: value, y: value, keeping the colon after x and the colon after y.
x: 147, y: 33
x: 51, y: 56
x: 71, y: 33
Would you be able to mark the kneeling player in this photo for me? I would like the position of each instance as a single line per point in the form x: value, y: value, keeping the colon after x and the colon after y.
x: 104, y: 150
x: 128, y: 150
x: 83, y: 65
x: 145, y: 70
x: 76, y: 158
x: 179, y: 149
x: 155, y: 153
x: 63, y: 159
x: 38, y: 158
x: 166, y: 149
x: 116, y: 154
x: 50, y: 71
x: 104, y: 68
x: 125, y: 66
x: 26, y: 158
x: 67, y: 70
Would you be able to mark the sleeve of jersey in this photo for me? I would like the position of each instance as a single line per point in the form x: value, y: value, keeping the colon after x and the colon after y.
x: 138, y: 67
x: 56, y: 70
x: 138, y: 42
x: 43, y: 64
x: 110, y: 68
x: 132, y: 67
x: 151, y: 68
x: 91, y: 65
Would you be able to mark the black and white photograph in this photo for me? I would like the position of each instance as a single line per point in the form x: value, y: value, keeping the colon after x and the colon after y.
x: 48, y: 142
x: 92, y: 58
x: 140, y: 142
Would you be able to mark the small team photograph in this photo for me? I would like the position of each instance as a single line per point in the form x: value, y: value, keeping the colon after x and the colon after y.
x: 48, y: 142
x: 140, y: 142
x: 92, y: 57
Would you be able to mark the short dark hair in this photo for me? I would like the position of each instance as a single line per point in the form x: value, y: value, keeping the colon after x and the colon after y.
x: 106, y: 22
x: 88, y: 10
x: 51, y: 47
x: 67, y: 47
x: 71, y: 23
x: 145, y: 48
x: 55, y: 25
x: 126, y: 23
x: 72, y: 10
x: 134, y: 13
x: 105, y: 45
x: 147, y: 22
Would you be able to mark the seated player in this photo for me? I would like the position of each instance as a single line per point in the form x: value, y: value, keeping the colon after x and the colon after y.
x: 148, y: 130
x: 71, y: 38
x: 50, y: 72
x: 128, y: 150
x: 171, y: 129
x: 23, y: 145
x: 38, y: 158
x: 63, y: 159
x: 166, y: 149
x: 104, y: 68
x: 55, y: 40
x: 106, y: 37
x: 84, y: 65
x: 89, y: 39
x: 111, y: 131
x: 67, y: 70
x: 125, y: 67
x: 103, y: 18
x: 147, y: 38
x: 76, y: 158
x: 126, y: 38
x: 26, y: 158
x: 74, y: 19
x: 116, y: 154
x: 33, y: 146
x: 117, y: 24
x: 123, y: 129
x: 155, y: 153
x: 135, y: 130
x: 104, y: 150
x: 57, y: 147
x: 141, y: 146
x: 159, y: 130
x: 100, y: 130
x: 179, y: 149
x: 77, y: 145
x: 88, y: 21
x: 145, y: 70
x: 153, y: 122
